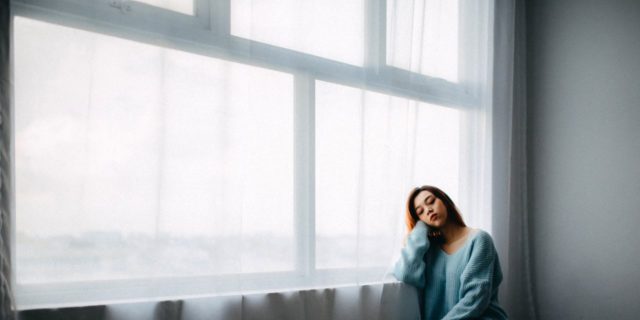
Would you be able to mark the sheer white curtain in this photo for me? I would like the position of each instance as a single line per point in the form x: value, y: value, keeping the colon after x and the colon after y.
x: 450, y: 41
x: 272, y: 154
x: 510, y: 216
x: 138, y: 161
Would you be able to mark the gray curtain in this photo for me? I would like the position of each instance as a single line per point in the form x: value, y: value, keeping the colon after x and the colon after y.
x: 511, y: 221
x: 6, y: 296
x: 520, y: 276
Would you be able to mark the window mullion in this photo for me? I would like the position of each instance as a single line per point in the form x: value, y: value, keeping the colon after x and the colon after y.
x: 304, y: 173
x: 220, y: 17
x: 375, y: 35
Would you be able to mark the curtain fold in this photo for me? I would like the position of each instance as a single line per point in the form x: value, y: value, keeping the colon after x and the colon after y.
x: 510, y: 217
x: 6, y: 294
x: 390, y: 301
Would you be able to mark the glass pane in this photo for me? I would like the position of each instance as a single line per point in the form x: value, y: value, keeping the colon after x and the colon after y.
x: 422, y: 36
x: 332, y: 29
x: 138, y: 161
x: 371, y: 149
x: 182, y: 6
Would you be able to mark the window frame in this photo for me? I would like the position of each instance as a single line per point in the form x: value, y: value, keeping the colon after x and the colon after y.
x: 208, y: 33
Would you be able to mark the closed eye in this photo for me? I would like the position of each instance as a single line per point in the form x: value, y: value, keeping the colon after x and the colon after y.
x: 429, y: 200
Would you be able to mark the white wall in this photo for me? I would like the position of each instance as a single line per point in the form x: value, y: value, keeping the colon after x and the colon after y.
x: 584, y: 157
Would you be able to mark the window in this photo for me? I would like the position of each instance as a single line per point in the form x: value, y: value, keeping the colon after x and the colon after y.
x: 374, y: 135
x: 156, y: 153
x: 434, y: 23
x: 331, y: 29
x: 172, y: 148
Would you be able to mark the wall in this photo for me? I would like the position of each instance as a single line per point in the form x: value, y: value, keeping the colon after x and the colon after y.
x: 584, y: 157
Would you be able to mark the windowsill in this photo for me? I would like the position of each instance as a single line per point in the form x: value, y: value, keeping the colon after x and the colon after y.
x: 103, y: 293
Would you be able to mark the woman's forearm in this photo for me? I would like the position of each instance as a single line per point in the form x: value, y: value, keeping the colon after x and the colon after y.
x: 410, y: 267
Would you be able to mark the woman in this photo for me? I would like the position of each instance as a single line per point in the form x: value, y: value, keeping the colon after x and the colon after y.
x: 454, y: 267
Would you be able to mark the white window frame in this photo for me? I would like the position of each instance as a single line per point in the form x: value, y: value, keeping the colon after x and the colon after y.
x: 207, y: 33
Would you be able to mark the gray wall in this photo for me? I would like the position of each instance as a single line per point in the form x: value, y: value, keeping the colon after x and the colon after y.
x: 584, y: 157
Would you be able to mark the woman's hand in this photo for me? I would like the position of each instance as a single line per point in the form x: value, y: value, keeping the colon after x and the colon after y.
x: 431, y: 231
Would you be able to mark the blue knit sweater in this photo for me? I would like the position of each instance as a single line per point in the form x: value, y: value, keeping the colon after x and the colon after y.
x: 463, y: 285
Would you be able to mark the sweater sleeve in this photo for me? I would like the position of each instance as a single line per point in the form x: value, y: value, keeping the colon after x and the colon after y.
x: 476, y: 281
x: 410, y: 267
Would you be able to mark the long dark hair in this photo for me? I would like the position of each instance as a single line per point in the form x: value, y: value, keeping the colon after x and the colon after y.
x: 411, y: 217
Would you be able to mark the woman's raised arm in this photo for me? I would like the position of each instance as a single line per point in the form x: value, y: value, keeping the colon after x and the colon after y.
x: 410, y: 266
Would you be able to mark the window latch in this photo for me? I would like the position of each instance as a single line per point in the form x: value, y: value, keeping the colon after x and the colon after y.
x: 122, y: 5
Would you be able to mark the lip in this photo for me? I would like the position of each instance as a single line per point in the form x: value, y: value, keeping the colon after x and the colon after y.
x: 433, y: 217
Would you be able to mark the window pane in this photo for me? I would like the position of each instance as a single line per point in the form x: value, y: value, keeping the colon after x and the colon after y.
x: 138, y: 161
x: 182, y: 6
x: 422, y: 36
x: 370, y: 149
x: 332, y: 29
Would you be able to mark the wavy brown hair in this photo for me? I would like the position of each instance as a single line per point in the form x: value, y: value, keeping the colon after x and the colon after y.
x: 411, y: 217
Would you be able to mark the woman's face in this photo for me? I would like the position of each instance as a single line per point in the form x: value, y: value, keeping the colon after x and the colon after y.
x: 430, y: 209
